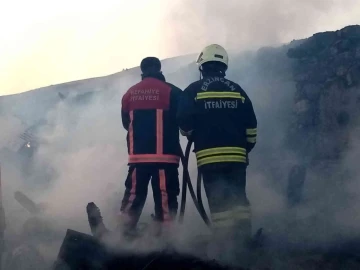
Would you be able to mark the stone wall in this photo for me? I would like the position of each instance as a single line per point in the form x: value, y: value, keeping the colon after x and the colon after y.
x: 326, y: 70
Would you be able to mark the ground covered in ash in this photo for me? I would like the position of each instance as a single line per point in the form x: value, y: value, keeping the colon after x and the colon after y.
x: 81, y: 251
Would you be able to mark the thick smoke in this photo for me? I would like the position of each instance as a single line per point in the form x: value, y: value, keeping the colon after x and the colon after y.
x: 266, y: 76
x: 242, y: 25
x: 86, y: 148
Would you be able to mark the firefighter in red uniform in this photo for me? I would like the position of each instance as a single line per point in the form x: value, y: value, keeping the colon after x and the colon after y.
x: 149, y: 111
x: 218, y: 116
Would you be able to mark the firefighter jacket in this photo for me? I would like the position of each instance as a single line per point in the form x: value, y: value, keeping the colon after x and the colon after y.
x: 220, y: 118
x: 149, y: 115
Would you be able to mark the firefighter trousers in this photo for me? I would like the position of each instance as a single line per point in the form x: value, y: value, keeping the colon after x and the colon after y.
x: 165, y: 185
x: 225, y: 188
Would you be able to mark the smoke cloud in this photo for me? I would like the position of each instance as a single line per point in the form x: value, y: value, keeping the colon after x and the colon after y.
x: 85, y: 150
x: 242, y: 25
x: 85, y: 144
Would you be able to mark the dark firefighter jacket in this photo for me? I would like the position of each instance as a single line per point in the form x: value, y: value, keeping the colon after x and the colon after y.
x: 221, y: 119
x: 149, y: 115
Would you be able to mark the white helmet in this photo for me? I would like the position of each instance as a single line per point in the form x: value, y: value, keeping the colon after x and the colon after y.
x: 213, y: 52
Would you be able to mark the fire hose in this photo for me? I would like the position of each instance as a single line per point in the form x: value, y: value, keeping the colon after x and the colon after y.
x: 187, y: 183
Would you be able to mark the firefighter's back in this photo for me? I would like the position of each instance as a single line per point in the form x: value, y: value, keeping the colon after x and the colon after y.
x: 224, y: 114
x: 149, y: 116
x: 218, y: 115
x: 153, y: 135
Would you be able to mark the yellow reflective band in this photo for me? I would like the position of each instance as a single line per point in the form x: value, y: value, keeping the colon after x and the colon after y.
x: 251, y: 131
x: 242, y: 216
x: 218, y: 94
x: 234, y: 216
x: 230, y: 222
x: 240, y: 212
x: 224, y: 223
x: 241, y: 208
x: 217, y: 159
x: 206, y: 95
x: 222, y: 215
x: 231, y: 217
x: 221, y: 150
x: 251, y: 139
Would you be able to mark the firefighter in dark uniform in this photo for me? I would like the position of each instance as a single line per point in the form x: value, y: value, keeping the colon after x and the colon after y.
x: 149, y: 111
x: 218, y: 116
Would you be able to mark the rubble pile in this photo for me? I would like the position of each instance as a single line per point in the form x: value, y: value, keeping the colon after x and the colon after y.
x: 81, y: 251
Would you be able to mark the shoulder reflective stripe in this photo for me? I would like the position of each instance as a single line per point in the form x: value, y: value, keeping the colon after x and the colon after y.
x: 218, y: 159
x: 206, y: 95
x: 219, y: 93
x: 221, y: 150
x: 251, y: 131
x: 153, y: 158
x: 251, y: 140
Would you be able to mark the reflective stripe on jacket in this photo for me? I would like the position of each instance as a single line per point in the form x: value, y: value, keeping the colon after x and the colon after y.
x: 220, y: 118
x: 149, y: 115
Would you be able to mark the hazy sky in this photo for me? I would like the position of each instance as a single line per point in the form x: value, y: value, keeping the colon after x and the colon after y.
x: 48, y: 42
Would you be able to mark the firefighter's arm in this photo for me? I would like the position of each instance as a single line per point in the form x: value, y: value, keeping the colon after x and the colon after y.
x: 125, y: 117
x: 251, y: 125
x: 186, y: 112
